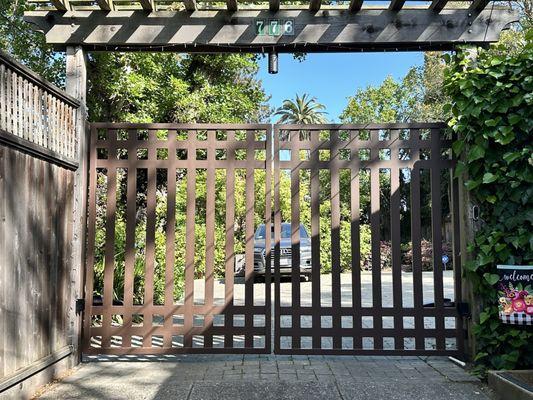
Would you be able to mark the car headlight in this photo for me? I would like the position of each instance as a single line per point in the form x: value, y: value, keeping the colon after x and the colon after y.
x: 259, y: 250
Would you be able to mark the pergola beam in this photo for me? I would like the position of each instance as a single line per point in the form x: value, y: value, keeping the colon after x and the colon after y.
x: 314, y: 5
x: 438, y: 5
x: 190, y: 5
x: 147, y: 5
x: 355, y: 5
x: 215, y: 31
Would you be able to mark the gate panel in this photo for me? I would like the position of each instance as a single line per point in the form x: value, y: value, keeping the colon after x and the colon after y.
x: 399, y: 312
x: 135, y: 170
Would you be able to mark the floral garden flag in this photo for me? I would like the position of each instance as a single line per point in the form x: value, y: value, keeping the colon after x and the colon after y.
x: 515, y: 289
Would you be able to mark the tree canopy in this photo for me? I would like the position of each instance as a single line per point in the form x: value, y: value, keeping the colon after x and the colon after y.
x: 416, y: 97
x: 302, y: 110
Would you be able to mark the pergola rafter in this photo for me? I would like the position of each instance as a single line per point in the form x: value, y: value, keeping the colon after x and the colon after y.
x: 147, y: 5
x: 438, y: 5
x: 232, y: 5
x: 314, y: 5
x: 273, y: 5
x: 355, y: 5
x: 61, y: 5
x: 106, y: 5
x: 478, y: 5
x: 396, y: 5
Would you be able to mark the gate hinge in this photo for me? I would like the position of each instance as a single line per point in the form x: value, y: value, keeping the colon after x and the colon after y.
x: 463, y: 309
x: 80, y: 306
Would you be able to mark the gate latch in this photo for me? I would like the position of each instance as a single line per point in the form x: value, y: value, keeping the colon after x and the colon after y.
x: 80, y: 306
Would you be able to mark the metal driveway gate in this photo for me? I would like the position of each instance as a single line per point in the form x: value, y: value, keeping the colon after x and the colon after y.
x: 343, y: 315
x: 160, y: 274
x: 142, y: 303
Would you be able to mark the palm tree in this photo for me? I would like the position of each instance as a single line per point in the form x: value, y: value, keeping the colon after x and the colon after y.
x: 303, y: 110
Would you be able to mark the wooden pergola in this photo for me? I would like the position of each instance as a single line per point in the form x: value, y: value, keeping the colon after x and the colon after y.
x: 269, y: 26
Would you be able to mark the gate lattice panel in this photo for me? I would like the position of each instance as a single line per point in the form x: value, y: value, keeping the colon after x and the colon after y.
x: 138, y: 224
x: 117, y: 319
x: 375, y: 319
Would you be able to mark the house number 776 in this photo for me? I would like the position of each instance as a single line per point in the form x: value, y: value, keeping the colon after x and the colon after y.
x: 274, y: 27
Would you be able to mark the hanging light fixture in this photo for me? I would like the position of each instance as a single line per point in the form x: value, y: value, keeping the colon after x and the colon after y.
x: 273, y: 62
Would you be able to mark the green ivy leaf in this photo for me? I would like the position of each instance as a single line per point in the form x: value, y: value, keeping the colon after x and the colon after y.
x: 514, y: 119
x: 499, y: 247
x: 511, y: 156
x: 472, y: 184
x: 475, y: 153
x: 458, y: 147
x: 480, y: 355
x: 483, y: 317
x: 489, y: 178
x: 492, y: 279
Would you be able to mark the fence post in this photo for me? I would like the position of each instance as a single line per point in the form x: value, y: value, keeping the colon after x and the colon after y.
x: 76, y: 86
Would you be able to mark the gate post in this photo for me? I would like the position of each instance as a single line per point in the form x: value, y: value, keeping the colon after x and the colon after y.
x: 76, y: 86
x: 467, y: 228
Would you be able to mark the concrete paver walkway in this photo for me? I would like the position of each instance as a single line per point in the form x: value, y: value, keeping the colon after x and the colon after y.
x: 266, y: 377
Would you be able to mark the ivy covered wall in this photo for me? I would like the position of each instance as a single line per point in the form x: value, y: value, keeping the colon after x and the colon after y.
x: 492, y: 107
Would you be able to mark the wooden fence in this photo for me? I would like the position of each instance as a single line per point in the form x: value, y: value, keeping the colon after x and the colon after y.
x: 36, y: 111
x: 38, y: 142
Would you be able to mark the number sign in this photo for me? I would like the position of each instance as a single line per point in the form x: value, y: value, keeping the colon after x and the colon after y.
x: 274, y: 27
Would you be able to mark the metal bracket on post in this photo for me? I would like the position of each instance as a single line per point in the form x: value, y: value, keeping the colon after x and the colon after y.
x: 80, y: 306
x: 463, y: 309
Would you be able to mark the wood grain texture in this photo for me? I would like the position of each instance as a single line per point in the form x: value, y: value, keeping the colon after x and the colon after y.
x: 218, y: 31
x: 32, y: 233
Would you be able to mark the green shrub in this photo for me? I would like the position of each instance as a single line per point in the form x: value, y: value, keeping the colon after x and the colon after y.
x: 492, y: 105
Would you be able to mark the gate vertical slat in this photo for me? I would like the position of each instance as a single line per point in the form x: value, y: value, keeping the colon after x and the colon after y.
x: 355, y: 241
x: 417, y: 260
x: 375, y: 242
x: 209, y: 236
x: 277, y: 234
x: 395, y: 249
x: 315, y: 236
x: 129, y: 257
x: 109, y: 265
x: 396, y: 237
x: 436, y: 236
x: 91, y: 232
x: 149, y: 268
x: 230, y: 243
x: 249, y: 237
x: 268, y: 237
x: 335, y: 239
x: 170, y: 233
x: 190, y: 243
x: 295, y: 236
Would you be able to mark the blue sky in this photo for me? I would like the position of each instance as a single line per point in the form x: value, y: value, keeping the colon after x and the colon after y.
x: 332, y: 77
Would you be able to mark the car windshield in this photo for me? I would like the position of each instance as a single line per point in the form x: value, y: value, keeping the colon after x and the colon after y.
x: 285, y: 232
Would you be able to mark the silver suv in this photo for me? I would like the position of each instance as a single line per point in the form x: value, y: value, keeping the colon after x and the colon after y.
x: 286, y: 266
